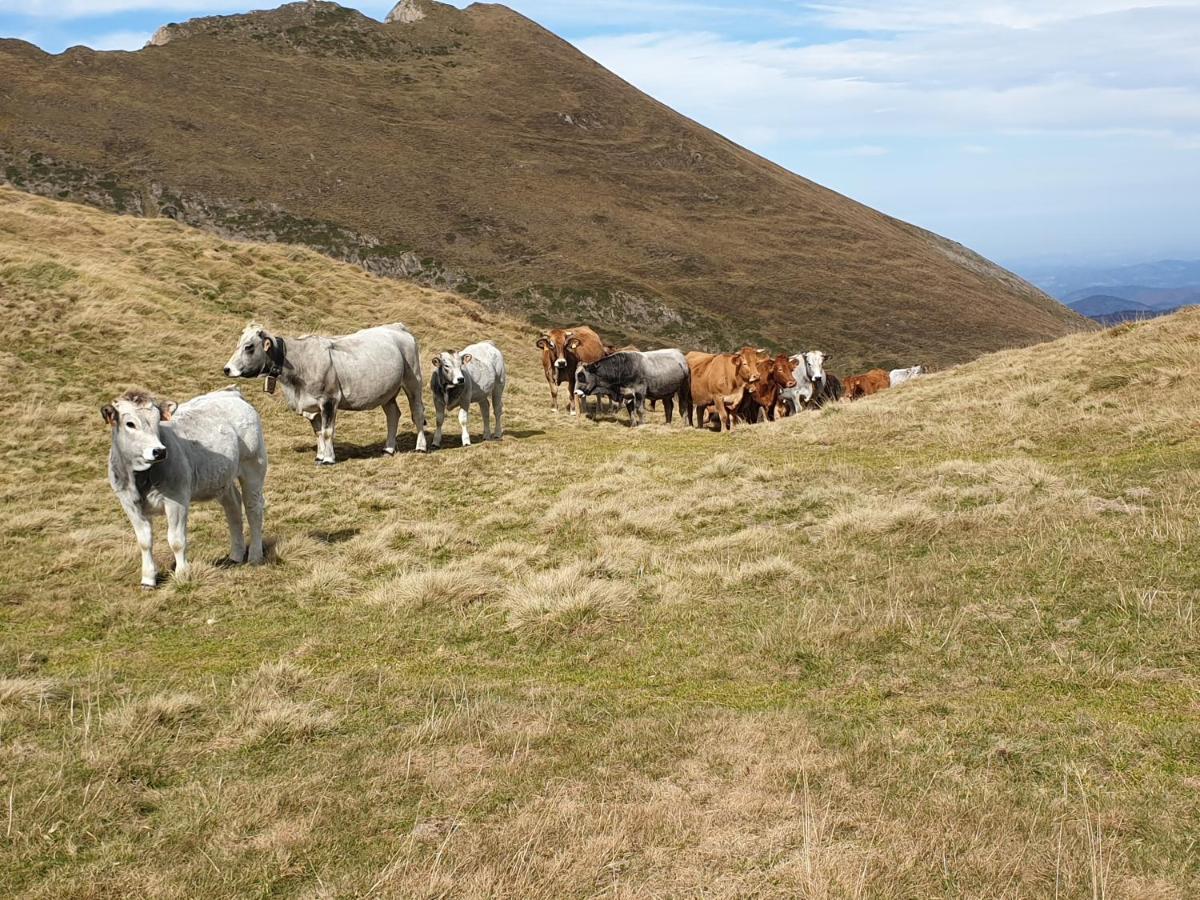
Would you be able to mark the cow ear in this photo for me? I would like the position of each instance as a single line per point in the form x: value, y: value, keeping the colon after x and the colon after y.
x: 466, y: 358
x: 437, y: 361
x: 543, y: 343
x: 167, y: 409
x: 109, y: 413
x: 826, y: 356
x: 266, y: 341
x: 573, y: 343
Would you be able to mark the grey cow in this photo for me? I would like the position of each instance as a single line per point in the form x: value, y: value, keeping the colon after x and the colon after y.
x: 474, y: 375
x: 320, y: 375
x: 636, y: 377
x: 166, y: 456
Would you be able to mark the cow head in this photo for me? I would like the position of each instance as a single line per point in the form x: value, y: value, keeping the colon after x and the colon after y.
x: 134, y: 418
x: 781, y: 371
x: 746, y: 363
x: 586, y: 382
x: 257, y: 353
x: 815, y: 361
x: 450, y: 365
x: 554, y: 345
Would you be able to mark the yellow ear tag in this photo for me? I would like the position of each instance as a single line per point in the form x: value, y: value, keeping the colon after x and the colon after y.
x: 269, y: 384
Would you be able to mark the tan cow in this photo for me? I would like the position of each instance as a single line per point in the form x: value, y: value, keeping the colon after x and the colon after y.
x: 563, y: 350
x: 866, y: 384
x: 719, y: 380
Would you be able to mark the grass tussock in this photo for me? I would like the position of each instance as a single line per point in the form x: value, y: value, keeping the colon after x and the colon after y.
x: 566, y: 599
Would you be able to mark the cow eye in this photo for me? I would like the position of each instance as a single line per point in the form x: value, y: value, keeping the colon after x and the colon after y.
x: 249, y: 348
x: 129, y: 425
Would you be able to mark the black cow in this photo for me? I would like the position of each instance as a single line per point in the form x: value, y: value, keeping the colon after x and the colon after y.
x: 636, y: 377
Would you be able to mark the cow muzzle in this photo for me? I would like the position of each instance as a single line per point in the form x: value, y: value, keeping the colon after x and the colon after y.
x: 229, y: 373
x: 154, y: 454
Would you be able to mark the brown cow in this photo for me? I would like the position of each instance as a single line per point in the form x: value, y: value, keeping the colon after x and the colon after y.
x: 563, y: 349
x: 866, y: 384
x: 774, y: 375
x: 720, y: 380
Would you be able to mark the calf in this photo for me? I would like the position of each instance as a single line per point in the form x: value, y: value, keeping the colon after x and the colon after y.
x: 719, y: 381
x: 474, y: 375
x: 320, y: 375
x: 635, y: 377
x: 562, y: 352
x: 865, y: 385
x: 166, y: 456
x: 775, y: 375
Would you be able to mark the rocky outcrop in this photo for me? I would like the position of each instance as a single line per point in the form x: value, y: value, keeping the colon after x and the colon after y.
x: 406, y: 12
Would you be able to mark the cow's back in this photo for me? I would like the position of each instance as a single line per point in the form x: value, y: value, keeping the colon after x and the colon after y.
x: 591, y: 349
x: 215, y: 432
x: 486, y: 366
x: 370, y: 365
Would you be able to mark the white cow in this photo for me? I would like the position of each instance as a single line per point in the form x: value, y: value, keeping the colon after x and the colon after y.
x: 165, y: 456
x: 899, y: 376
x: 809, y: 372
x: 320, y: 375
x: 474, y: 375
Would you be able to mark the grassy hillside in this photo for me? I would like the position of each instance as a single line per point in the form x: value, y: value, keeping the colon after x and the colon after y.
x: 475, y: 149
x: 941, y: 642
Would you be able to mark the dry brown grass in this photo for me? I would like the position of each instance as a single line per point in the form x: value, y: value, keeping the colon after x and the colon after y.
x: 940, y: 642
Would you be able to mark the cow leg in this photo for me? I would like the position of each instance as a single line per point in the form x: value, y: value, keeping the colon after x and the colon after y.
x: 254, y: 474
x: 325, y: 454
x: 573, y: 402
x: 231, y: 502
x: 498, y: 404
x: 668, y: 408
x: 463, y: 418
x: 416, y: 406
x: 177, y: 518
x: 314, y: 419
x: 439, y: 416
x: 485, y: 413
x: 145, y: 538
x: 392, y: 410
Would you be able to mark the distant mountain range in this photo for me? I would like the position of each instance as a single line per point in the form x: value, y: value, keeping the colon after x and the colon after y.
x: 1122, y: 293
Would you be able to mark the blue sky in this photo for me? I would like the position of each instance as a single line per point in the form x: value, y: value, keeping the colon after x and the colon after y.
x: 1030, y: 131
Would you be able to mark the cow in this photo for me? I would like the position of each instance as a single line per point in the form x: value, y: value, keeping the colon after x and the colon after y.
x: 775, y: 375
x: 563, y: 349
x: 320, y: 375
x: 635, y: 377
x: 831, y: 390
x: 473, y: 375
x: 899, y: 376
x: 811, y: 388
x: 865, y: 385
x: 719, y: 380
x: 166, y: 456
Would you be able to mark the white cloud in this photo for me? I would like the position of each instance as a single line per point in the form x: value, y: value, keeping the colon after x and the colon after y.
x: 1131, y: 70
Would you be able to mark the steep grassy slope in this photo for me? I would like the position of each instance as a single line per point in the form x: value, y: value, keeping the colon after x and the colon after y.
x: 475, y: 149
x: 941, y: 642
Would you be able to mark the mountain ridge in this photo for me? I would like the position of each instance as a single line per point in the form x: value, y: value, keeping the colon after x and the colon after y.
x: 474, y: 150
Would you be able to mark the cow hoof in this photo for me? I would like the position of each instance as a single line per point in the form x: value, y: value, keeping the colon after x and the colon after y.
x: 324, y: 462
x: 387, y: 452
x: 149, y: 587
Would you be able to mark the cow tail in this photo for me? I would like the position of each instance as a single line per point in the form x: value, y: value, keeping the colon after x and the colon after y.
x: 685, y: 400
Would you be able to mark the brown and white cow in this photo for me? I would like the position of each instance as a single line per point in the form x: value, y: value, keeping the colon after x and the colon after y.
x: 563, y: 350
x: 865, y: 385
x: 775, y: 375
x: 719, y: 381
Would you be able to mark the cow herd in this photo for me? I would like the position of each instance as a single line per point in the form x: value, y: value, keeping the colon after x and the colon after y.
x: 164, y: 455
x: 725, y: 388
